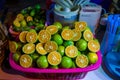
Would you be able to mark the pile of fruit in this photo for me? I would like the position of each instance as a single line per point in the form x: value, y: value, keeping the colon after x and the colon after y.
x: 55, y: 46
x: 30, y: 17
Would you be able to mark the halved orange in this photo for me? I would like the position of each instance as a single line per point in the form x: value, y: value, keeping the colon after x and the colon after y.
x: 54, y: 58
x: 71, y: 51
x: 22, y: 36
x: 82, y: 61
x: 28, y: 48
x: 29, y: 18
x: 44, y: 36
x: 93, y: 46
x: 52, y: 29
x: 80, y: 25
x: 40, y: 49
x: 25, y: 61
x: 31, y: 37
x: 67, y: 34
x: 77, y: 35
x: 13, y: 46
x: 88, y: 35
x: 51, y: 46
x: 20, y: 17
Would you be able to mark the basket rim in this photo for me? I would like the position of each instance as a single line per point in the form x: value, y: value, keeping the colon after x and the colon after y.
x: 16, y: 66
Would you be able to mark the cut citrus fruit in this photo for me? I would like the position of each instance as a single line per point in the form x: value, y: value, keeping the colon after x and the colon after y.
x: 26, y: 61
x: 67, y: 34
x: 54, y: 58
x: 28, y: 48
x: 93, y: 45
x: 82, y: 61
x: 77, y: 35
x: 22, y: 36
x: 51, y: 46
x: 52, y: 29
x: 44, y: 36
x: 16, y: 23
x: 71, y: 51
x: 40, y: 49
x: 80, y: 25
x: 13, y: 46
x: 29, y: 18
x: 20, y: 17
x: 31, y: 37
x: 87, y: 34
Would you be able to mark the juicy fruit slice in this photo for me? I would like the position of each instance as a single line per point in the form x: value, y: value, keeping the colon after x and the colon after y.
x: 42, y: 62
x: 26, y: 61
x: 52, y: 29
x: 54, y: 58
x: 82, y: 61
x: 13, y: 46
x: 66, y: 62
x: 87, y: 34
x: 40, y: 49
x: 67, y: 34
x: 51, y: 46
x: 20, y: 17
x: 58, y: 39
x: 93, y: 46
x: 31, y: 37
x: 71, y: 51
x: 77, y: 35
x: 81, y: 26
x: 29, y: 18
x: 28, y: 48
x: 44, y: 36
x: 16, y: 23
x: 22, y: 36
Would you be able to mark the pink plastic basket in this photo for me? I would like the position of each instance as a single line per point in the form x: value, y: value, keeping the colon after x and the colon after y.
x: 61, y: 73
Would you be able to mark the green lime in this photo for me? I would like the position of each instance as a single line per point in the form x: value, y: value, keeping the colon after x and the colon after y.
x: 58, y: 24
x: 42, y: 62
x: 58, y: 39
x: 23, y: 23
x: 32, y: 13
x: 93, y: 57
x: 23, y: 11
x: 73, y: 65
x: 54, y: 67
x: 30, y: 23
x: 61, y: 50
x: 37, y: 6
x: 81, y: 44
x: 66, y: 62
x: 68, y: 43
x: 16, y: 56
x: 35, y: 56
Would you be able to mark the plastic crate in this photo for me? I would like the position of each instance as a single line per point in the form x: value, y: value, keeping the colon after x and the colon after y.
x: 72, y: 73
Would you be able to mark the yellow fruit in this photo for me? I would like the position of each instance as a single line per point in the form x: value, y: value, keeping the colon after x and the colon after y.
x: 22, y: 36
x: 87, y: 34
x: 93, y: 46
x: 31, y: 37
x: 82, y: 61
x: 80, y: 25
x: 20, y: 17
x: 44, y: 36
x: 51, y: 46
x: 16, y: 23
x: 71, y: 51
x: 28, y: 48
x: 77, y: 35
x: 25, y: 61
x: 52, y: 29
x: 67, y: 34
x: 29, y: 18
x: 54, y: 58
x: 40, y: 49
x: 13, y: 46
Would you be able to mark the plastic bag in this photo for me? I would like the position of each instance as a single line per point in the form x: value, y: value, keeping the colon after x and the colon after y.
x: 111, y: 37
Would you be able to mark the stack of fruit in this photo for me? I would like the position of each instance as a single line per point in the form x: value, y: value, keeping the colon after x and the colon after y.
x: 56, y: 47
x: 30, y: 17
